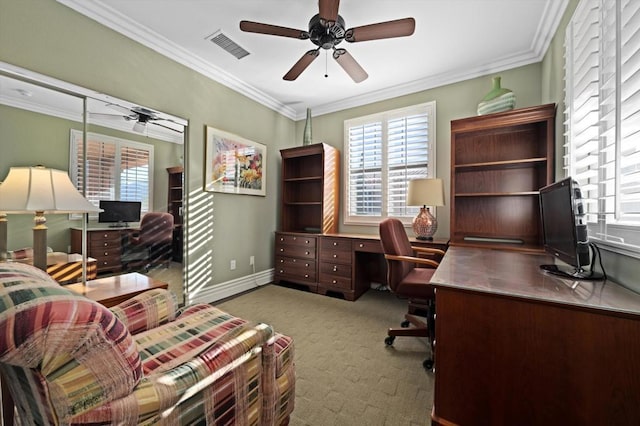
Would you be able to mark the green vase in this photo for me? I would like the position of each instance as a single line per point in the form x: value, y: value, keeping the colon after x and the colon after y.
x: 497, y: 100
x: 306, y: 137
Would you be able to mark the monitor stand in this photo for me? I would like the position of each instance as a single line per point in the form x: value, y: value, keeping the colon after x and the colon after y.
x: 572, y: 273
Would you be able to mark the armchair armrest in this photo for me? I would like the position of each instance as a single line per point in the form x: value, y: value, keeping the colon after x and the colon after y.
x: 412, y: 259
x: 147, y: 310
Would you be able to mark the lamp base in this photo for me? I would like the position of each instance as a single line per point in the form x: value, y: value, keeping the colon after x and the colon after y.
x: 425, y: 225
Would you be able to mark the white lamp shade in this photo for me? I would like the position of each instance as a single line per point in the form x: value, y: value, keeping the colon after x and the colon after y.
x: 39, y: 189
x: 425, y: 192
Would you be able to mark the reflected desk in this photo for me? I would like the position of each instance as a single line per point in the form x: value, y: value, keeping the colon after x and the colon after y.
x: 110, y: 291
x: 516, y: 346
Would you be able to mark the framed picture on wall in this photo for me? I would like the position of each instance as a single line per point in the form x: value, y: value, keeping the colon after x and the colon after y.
x: 233, y: 164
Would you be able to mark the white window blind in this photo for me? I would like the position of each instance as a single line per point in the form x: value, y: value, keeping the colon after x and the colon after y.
x: 384, y: 151
x: 602, y: 75
x: 117, y: 169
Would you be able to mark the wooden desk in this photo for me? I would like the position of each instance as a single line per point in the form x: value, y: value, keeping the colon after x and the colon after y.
x: 110, y: 291
x: 343, y: 264
x: 516, y: 346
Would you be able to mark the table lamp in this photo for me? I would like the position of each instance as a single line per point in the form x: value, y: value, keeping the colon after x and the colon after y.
x: 41, y: 190
x: 425, y: 192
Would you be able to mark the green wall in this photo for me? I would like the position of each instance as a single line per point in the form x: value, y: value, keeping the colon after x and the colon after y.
x: 453, y: 101
x: 49, y: 38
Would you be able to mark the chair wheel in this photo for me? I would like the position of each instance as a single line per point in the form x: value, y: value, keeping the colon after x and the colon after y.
x: 427, y: 364
x: 405, y: 324
x: 389, y: 340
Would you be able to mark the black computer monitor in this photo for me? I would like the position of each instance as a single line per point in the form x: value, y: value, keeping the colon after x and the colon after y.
x: 119, y: 213
x: 565, y: 230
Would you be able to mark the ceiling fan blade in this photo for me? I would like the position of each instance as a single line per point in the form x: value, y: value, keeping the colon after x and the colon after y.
x: 389, y: 29
x: 329, y: 10
x: 155, y: 123
x: 346, y: 61
x: 257, y: 27
x: 301, y: 65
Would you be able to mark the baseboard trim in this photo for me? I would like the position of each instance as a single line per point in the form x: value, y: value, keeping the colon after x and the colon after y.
x: 231, y: 288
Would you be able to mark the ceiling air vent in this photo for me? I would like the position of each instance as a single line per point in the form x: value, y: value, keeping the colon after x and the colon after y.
x: 227, y: 44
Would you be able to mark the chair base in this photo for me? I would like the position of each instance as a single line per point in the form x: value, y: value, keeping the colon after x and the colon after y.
x: 420, y: 329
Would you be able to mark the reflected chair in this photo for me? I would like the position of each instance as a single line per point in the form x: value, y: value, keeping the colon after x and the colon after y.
x: 152, y: 244
x: 407, y: 280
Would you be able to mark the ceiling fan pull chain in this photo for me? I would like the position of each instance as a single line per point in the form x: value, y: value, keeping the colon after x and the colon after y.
x: 326, y: 64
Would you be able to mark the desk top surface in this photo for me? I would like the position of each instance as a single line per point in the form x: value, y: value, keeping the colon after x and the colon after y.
x: 515, y: 274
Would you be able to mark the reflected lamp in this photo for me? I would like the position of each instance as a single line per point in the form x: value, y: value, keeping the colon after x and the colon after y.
x: 41, y: 190
x: 426, y: 193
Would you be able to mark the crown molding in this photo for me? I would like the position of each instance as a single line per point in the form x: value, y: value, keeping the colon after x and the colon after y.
x: 552, y: 15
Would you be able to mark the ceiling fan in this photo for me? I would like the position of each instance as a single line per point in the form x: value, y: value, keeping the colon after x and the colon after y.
x: 327, y: 30
x: 142, y: 116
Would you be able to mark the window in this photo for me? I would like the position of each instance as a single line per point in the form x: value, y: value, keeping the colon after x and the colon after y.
x: 383, y: 152
x: 117, y: 169
x: 602, y: 76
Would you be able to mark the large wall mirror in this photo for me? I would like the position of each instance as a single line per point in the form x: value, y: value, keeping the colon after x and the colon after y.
x: 113, y: 149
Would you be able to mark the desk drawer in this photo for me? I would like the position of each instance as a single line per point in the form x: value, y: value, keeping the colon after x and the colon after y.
x: 370, y: 246
x: 335, y: 282
x: 97, y: 236
x: 335, y: 256
x: 335, y: 244
x: 335, y: 269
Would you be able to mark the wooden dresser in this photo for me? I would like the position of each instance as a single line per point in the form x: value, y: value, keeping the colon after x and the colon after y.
x: 296, y: 258
x: 517, y: 346
x: 104, y: 245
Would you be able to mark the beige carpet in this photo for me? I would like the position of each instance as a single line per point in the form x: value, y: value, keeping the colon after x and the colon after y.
x: 345, y: 373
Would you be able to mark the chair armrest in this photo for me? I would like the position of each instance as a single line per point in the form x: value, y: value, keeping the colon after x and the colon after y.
x: 428, y: 250
x: 147, y: 310
x: 418, y: 260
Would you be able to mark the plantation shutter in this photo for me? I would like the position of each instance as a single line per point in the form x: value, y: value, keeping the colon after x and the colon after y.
x: 117, y: 169
x: 365, y: 169
x: 408, y: 154
x: 603, y: 117
x: 383, y: 152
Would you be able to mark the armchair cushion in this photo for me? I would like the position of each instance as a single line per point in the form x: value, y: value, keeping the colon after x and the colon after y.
x: 147, y: 310
x: 72, y: 348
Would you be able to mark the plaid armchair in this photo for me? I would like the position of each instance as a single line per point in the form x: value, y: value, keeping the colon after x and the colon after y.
x: 68, y: 360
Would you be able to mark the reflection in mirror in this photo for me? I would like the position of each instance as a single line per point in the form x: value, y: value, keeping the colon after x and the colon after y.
x: 121, y: 152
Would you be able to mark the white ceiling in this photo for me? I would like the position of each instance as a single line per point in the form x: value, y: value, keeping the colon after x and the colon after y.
x: 454, y: 40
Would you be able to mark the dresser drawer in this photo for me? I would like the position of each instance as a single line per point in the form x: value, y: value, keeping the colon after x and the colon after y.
x: 295, y: 268
x: 97, y: 245
x: 296, y: 251
x: 335, y: 244
x: 100, y: 236
x: 370, y: 246
x: 296, y: 240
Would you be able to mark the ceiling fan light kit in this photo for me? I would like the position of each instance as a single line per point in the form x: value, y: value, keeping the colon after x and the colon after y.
x: 327, y: 30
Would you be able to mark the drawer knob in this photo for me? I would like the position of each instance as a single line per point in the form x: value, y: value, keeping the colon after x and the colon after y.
x: 281, y: 250
x: 306, y: 252
x: 306, y: 275
x: 106, y: 253
x: 281, y: 260
x: 335, y: 268
x: 295, y: 238
x: 306, y: 242
x: 335, y: 256
x: 334, y: 282
x: 294, y: 260
x: 106, y: 244
x: 335, y: 244
x: 361, y: 245
x: 281, y: 271
x: 306, y: 264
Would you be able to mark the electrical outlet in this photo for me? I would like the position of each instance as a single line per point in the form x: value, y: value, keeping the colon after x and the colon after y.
x: 232, y: 264
x: 252, y: 260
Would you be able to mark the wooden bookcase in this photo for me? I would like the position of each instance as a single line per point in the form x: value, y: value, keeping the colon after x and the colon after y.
x: 498, y: 164
x: 175, y: 193
x: 310, y: 191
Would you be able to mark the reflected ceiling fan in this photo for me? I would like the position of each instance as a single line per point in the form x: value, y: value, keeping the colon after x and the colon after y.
x: 327, y: 30
x: 142, y: 116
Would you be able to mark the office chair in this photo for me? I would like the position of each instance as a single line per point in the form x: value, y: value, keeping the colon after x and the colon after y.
x: 152, y: 244
x: 407, y: 280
